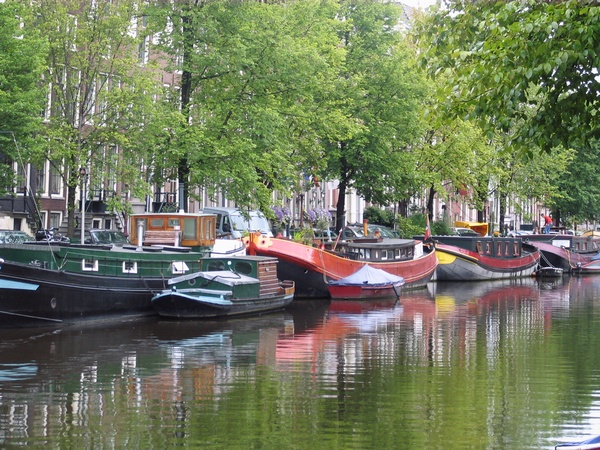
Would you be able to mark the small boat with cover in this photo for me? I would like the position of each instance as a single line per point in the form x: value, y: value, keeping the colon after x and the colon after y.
x: 225, y: 287
x: 366, y: 283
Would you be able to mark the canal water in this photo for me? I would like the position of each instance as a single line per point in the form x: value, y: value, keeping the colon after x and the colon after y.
x: 492, y: 365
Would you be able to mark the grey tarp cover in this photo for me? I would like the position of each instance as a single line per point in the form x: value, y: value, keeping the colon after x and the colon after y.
x: 368, y: 275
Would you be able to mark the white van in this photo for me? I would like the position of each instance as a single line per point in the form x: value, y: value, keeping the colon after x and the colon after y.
x: 231, y: 221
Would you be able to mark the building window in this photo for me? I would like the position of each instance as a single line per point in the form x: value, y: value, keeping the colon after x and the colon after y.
x: 55, y: 220
x: 41, y: 179
x: 21, y: 178
x: 55, y: 178
x: 43, y: 216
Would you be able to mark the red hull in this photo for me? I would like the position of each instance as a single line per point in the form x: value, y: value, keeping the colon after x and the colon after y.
x: 329, y: 266
x: 364, y: 292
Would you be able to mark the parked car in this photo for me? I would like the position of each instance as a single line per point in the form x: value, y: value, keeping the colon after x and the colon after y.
x: 231, y: 221
x: 353, y: 232
x: 384, y: 231
x: 464, y: 231
x: 100, y: 236
x: 325, y: 235
x: 14, y: 237
x: 357, y: 231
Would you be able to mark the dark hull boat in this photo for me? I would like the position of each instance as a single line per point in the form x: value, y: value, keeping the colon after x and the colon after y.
x: 313, y: 268
x: 565, y: 258
x: 569, y: 253
x: 478, y: 258
x: 49, y: 282
x: 588, y: 444
x: 366, y: 283
x: 549, y: 272
x: 248, y: 285
x: 45, y: 284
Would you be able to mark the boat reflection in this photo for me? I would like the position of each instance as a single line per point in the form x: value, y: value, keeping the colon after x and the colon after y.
x: 421, y: 324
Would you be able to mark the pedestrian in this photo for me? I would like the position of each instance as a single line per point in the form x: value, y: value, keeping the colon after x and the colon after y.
x: 547, y: 223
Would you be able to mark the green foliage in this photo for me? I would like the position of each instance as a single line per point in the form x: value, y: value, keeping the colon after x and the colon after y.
x: 261, y: 77
x: 304, y: 235
x: 381, y: 93
x: 497, y: 57
x: 578, y: 195
x: 104, y: 116
x: 440, y: 228
x: 411, y: 226
x: 379, y: 216
x: 22, y: 57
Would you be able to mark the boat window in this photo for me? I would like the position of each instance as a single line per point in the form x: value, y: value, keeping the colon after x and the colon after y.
x: 89, y: 265
x: 129, y: 267
x: 384, y: 255
x: 157, y: 223
x: 215, y: 265
x: 499, y: 249
x: 243, y: 267
x: 488, y: 248
x: 479, y: 247
x: 507, y: 250
x: 179, y: 267
x: 173, y: 223
x: 516, y: 249
x: 189, y: 228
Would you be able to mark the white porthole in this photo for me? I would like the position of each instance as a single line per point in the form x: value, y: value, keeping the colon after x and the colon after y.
x: 130, y: 267
x: 179, y: 267
x: 89, y: 265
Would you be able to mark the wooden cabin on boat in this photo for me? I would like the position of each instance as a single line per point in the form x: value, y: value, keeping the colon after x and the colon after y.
x: 195, y: 230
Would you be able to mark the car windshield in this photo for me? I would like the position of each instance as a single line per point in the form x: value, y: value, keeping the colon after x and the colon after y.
x: 253, y: 223
x: 384, y: 231
x: 14, y: 237
x: 108, y: 237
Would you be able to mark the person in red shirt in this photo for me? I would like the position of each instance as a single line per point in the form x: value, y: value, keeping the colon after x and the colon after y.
x: 547, y: 223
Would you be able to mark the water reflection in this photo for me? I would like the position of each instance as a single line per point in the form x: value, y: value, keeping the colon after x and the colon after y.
x: 456, y: 365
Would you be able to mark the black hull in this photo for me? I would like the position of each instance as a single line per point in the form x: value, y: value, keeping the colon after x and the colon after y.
x: 309, y: 284
x: 177, y: 305
x: 32, y: 296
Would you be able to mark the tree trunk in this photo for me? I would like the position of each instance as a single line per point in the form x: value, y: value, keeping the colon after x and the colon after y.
x: 403, y: 208
x: 340, y: 210
x: 502, y: 213
x: 71, y: 211
x: 430, y: 199
x: 183, y: 170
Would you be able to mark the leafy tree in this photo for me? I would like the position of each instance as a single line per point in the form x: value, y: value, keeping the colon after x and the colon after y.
x: 380, y: 92
x: 578, y: 194
x: 454, y: 157
x: 499, y: 56
x: 101, y: 96
x: 256, y: 77
x: 22, y: 57
x: 379, y: 216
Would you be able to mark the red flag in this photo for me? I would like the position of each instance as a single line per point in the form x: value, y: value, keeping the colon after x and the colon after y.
x: 427, y: 228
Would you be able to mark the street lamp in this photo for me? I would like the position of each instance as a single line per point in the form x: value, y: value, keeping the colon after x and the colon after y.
x: 83, y: 175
